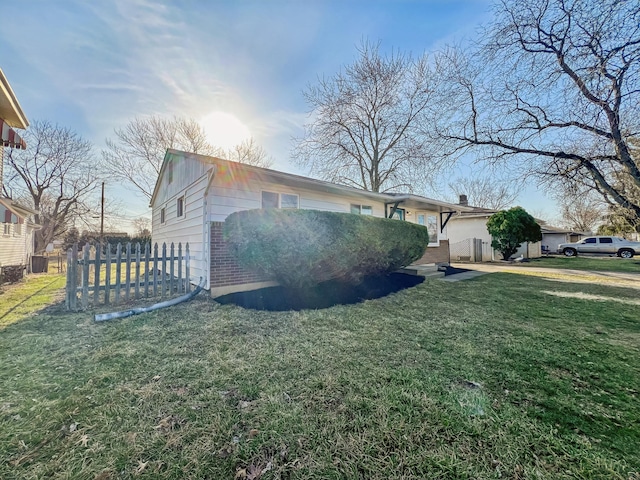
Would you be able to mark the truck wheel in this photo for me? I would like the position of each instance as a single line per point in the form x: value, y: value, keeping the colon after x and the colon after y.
x: 626, y: 253
x: 570, y: 252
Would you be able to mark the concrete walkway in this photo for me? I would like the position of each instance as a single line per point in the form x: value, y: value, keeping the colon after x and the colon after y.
x: 623, y: 279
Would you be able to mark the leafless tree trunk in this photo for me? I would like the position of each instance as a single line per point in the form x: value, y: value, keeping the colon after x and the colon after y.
x: 56, y: 175
x: 365, y: 123
x: 555, y: 85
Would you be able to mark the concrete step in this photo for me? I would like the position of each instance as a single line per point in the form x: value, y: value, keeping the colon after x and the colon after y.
x: 426, y: 271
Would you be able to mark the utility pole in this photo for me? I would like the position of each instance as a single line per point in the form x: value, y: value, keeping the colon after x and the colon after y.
x: 102, y: 216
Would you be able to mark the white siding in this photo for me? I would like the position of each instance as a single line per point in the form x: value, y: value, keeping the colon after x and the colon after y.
x: 227, y: 197
x: 14, y: 248
x: 186, y: 229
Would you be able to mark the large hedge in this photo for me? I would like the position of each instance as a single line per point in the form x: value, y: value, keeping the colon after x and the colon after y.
x: 301, y: 248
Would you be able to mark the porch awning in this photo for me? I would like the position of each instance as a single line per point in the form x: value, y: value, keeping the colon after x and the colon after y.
x: 10, y: 137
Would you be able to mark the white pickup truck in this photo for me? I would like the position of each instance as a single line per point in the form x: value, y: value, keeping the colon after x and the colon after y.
x: 601, y: 245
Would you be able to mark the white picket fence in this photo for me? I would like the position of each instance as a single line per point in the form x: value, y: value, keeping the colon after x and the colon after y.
x: 105, y: 274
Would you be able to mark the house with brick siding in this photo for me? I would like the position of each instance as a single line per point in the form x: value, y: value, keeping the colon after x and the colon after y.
x: 194, y: 194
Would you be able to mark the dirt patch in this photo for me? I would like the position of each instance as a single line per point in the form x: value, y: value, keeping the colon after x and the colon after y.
x: 324, y: 295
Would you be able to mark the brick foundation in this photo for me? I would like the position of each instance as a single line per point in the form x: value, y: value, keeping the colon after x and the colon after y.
x: 226, y: 275
x: 439, y: 254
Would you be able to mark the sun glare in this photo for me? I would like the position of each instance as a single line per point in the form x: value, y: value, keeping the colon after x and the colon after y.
x: 224, y: 130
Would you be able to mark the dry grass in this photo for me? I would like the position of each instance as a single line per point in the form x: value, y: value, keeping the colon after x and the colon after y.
x: 488, y: 378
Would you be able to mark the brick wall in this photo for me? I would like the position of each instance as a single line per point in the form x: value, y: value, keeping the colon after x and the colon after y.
x: 225, y: 271
x: 439, y: 254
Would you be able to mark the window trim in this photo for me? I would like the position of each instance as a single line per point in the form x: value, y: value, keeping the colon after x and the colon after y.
x: 6, y: 231
x: 434, y: 241
x: 360, y: 206
x: 279, y: 199
x: 163, y: 215
x: 180, y: 204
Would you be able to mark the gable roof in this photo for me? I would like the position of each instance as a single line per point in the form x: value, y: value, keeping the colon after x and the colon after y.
x: 294, y: 180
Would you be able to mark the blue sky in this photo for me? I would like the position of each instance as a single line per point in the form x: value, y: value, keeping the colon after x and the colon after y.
x: 95, y: 65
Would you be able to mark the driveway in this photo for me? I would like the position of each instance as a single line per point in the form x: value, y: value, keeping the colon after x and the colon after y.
x: 619, y: 279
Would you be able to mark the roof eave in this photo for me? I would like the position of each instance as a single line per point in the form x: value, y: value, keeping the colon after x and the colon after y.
x: 13, y: 113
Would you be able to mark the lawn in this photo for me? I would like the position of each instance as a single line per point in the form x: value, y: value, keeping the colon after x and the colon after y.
x: 607, y: 264
x: 27, y: 297
x: 495, y: 377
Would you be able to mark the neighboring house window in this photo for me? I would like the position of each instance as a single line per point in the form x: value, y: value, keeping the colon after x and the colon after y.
x: 180, y: 207
x: 288, y: 200
x: 162, y: 216
x: 280, y: 200
x: 17, y: 230
x: 7, y: 229
x: 361, y: 209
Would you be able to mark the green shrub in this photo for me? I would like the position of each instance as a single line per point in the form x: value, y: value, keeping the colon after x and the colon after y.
x: 301, y: 248
x: 510, y: 228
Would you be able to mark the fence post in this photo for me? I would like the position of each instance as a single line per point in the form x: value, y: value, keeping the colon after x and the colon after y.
x: 116, y: 300
x: 107, y: 274
x: 187, y: 271
x: 127, y: 278
x: 171, y: 276
x: 180, y: 285
x: 146, y: 270
x: 137, y: 287
x: 164, y: 269
x: 86, y: 256
x: 69, y: 288
x: 74, y: 277
x: 155, y: 270
x: 96, y: 276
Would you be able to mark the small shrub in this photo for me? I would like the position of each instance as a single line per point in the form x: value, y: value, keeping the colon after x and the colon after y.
x: 301, y: 248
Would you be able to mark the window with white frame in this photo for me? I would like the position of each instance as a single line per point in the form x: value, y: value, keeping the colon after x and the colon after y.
x: 280, y: 200
x: 180, y: 207
x: 361, y: 209
x: 162, y: 211
x: 432, y: 227
x: 6, y: 229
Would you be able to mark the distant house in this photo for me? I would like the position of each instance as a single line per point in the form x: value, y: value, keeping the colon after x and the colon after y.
x: 194, y: 194
x: 16, y: 228
x: 554, y: 236
x: 469, y: 239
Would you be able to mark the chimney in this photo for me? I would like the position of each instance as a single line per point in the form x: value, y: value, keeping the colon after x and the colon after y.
x: 463, y: 201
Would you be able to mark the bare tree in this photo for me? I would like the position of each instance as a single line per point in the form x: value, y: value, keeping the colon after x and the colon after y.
x: 487, y: 192
x: 136, y: 154
x: 365, y: 119
x: 555, y: 85
x: 56, y: 175
x: 142, y: 226
x: 251, y: 153
x: 581, y: 210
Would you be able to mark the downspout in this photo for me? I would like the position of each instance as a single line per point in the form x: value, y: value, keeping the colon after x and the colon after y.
x: 206, y: 228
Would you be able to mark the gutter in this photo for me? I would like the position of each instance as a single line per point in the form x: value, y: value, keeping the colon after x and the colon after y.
x: 206, y: 228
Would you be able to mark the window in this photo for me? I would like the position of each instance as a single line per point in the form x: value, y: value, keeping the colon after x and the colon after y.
x: 180, y: 207
x: 590, y: 240
x: 398, y: 214
x: 362, y: 209
x: 606, y: 240
x: 288, y: 200
x: 7, y: 229
x: 280, y: 200
x: 432, y: 227
x: 269, y: 200
x: 162, y: 216
x: 421, y: 219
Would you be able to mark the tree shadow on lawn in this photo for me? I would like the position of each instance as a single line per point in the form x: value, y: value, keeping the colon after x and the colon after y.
x: 323, y: 295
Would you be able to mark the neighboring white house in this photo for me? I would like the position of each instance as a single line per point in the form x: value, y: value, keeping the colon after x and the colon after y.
x: 16, y: 231
x: 194, y: 194
x: 469, y: 239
